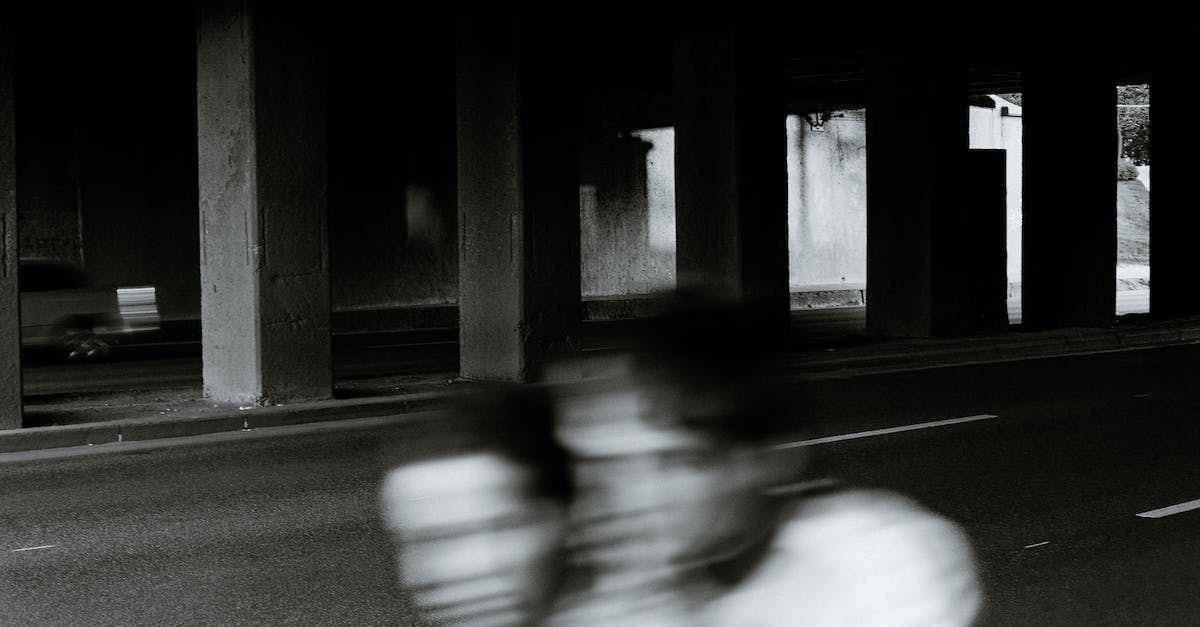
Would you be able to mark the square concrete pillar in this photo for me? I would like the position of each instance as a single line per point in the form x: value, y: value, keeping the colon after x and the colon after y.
x: 1069, y: 224
x: 518, y: 201
x: 917, y: 192
x: 1174, y: 206
x: 263, y: 269
x: 976, y: 270
x: 731, y: 171
x: 10, y: 320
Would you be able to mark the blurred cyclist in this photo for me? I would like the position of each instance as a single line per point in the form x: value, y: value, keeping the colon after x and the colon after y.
x: 676, y: 515
x: 478, y: 514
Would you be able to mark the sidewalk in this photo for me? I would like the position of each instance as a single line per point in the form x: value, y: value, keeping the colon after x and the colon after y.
x: 830, y: 351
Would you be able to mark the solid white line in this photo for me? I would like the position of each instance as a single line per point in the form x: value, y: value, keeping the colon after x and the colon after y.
x: 35, y: 548
x: 1034, y: 546
x: 889, y: 430
x: 1171, y: 510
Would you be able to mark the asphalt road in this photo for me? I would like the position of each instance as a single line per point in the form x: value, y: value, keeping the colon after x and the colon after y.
x: 1050, y: 488
x: 215, y: 531
x: 279, y: 527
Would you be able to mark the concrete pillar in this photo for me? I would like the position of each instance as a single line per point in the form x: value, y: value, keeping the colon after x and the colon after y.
x: 731, y: 171
x: 10, y: 320
x: 263, y: 271
x: 978, y: 238
x: 1174, y: 207
x: 1069, y: 232
x: 917, y: 148
x: 518, y: 202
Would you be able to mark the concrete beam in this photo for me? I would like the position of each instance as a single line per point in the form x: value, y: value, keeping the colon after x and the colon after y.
x: 1174, y: 207
x: 10, y: 318
x: 264, y: 272
x: 518, y: 198
x: 1069, y: 232
x: 731, y: 171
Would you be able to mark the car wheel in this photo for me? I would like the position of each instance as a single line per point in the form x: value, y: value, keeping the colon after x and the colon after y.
x: 79, y: 341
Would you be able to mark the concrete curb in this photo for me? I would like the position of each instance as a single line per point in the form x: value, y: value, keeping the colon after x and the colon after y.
x: 1012, y: 347
x: 160, y: 427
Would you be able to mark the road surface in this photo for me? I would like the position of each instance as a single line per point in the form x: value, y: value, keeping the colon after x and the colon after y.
x: 1048, y: 469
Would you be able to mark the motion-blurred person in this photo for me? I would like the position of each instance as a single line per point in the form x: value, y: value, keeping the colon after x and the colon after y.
x: 478, y: 514
x: 676, y: 516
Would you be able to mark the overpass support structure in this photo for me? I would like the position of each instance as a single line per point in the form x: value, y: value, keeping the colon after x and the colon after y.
x: 518, y: 200
x: 1069, y: 237
x: 262, y: 180
x: 10, y: 304
x: 1174, y: 206
x: 731, y: 171
x: 918, y: 191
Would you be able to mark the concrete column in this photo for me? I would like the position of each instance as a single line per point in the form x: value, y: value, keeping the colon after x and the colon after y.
x: 978, y: 237
x: 518, y: 202
x: 1174, y: 207
x: 263, y: 271
x: 917, y: 148
x: 1069, y: 232
x: 731, y: 171
x: 10, y: 319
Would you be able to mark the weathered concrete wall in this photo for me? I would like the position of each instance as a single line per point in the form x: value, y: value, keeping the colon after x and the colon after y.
x: 108, y: 154
x: 392, y: 205
x: 827, y: 201
x: 616, y: 249
x: 827, y: 193
x: 1000, y: 128
x: 660, y: 189
x: 47, y: 146
x: 627, y: 214
x: 137, y: 158
x: 108, y: 146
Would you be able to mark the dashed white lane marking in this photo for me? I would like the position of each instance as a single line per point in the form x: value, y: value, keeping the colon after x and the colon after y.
x: 1034, y: 546
x: 802, y: 486
x: 1141, y: 396
x: 889, y: 430
x: 1163, y: 512
x: 35, y: 548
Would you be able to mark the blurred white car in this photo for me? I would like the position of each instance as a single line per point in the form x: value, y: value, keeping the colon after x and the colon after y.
x: 61, y: 309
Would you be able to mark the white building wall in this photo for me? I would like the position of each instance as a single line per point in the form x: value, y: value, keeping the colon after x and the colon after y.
x: 827, y: 202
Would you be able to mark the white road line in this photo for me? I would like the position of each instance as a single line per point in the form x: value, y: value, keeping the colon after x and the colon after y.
x: 802, y: 486
x: 1034, y: 546
x: 889, y: 430
x: 35, y: 548
x: 1163, y: 512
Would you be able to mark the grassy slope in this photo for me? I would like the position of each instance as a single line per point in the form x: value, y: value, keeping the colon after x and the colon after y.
x: 1133, y: 223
